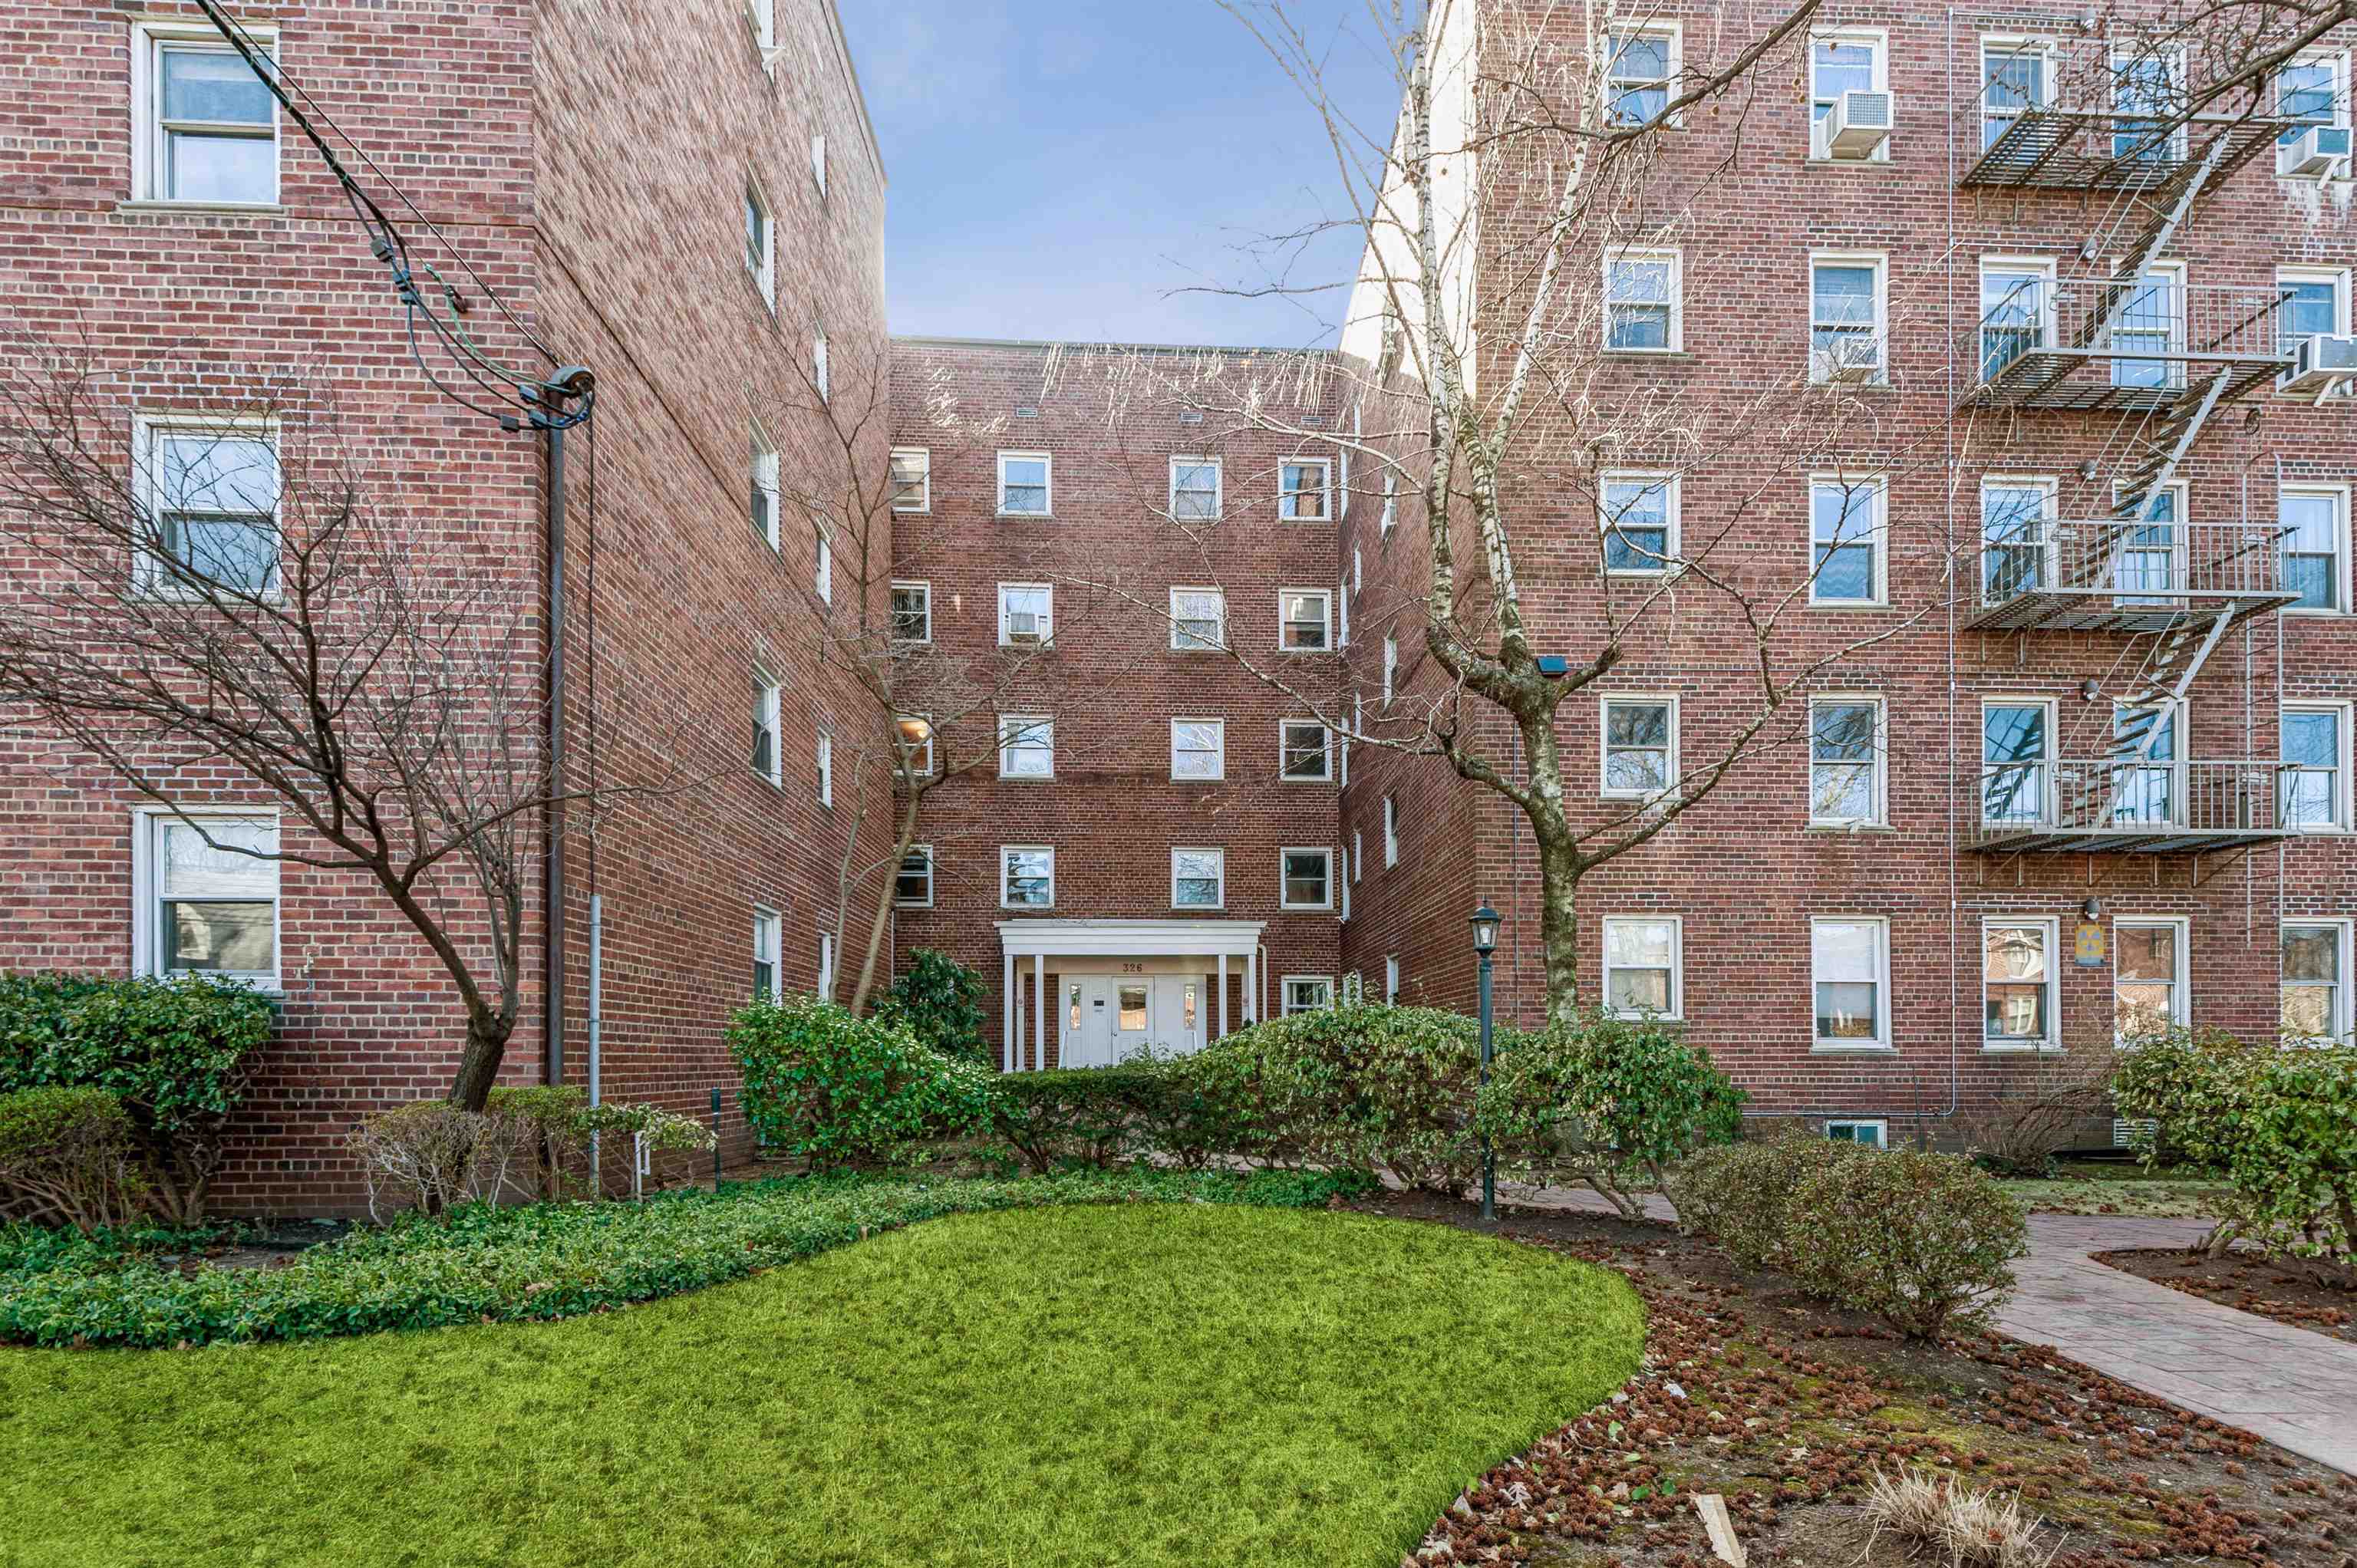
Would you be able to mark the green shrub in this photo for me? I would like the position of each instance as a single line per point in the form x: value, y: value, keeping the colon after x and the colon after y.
x: 1923, y: 1241
x: 939, y: 1000
x: 177, y: 1053
x: 533, y: 1261
x: 2280, y: 1121
x: 65, y: 1158
x: 1609, y: 1103
x: 549, y: 1126
x: 838, y: 1091
x: 1742, y: 1195
x: 1092, y: 1116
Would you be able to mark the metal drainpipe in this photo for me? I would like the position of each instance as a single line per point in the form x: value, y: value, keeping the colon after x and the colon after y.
x: 567, y: 384
x: 596, y: 1024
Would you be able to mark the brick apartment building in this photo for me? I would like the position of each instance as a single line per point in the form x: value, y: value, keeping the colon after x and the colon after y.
x: 1163, y: 845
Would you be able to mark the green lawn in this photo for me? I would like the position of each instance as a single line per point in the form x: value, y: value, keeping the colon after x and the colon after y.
x: 1138, y: 1385
x: 2124, y: 1189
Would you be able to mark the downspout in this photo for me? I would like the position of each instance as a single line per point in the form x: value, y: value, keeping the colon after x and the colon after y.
x: 596, y: 1024
x: 566, y: 385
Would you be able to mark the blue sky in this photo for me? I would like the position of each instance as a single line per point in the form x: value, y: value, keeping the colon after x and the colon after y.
x: 1058, y: 166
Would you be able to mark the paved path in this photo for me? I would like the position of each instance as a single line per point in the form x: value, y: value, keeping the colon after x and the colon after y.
x: 2294, y: 1387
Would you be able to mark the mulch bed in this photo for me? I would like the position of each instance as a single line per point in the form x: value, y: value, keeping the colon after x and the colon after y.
x: 1786, y: 1408
x: 2285, y: 1289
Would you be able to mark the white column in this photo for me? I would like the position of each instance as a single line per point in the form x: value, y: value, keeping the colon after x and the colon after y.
x: 1007, y: 1040
x: 1040, y: 1008
x: 1252, y: 985
x: 1223, y: 995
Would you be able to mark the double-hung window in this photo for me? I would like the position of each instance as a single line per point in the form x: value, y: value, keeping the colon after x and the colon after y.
x: 1839, y: 63
x: 762, y: 503
x: 1845, y: 760
x: 821, y: 374
x: 2315, y: 775
x: 1391, y: 832
x: 1391, y: 502
x: 2014, y: 79
x: 1640, y: 523
x: 2147, y: 91
x: 912, y: 884
x: 1849, y: 962
x: 1305, y: 878
x: 2016, y: 312
x: 208, y: 885
x: 1199, y: 878
x: 1641, y: 965
x: 2151, y: 321
x: 1845, y: 535
x: 2016, y: 761
x: 767, y: 760
x: 2310, y: 302
x: 2143, y: 791
x: 1025, y: 614
x: 818, y: 161
x: 2313, y: 89
x: 1305, y: 752
x: 823, y: 562
x: 768, y: 942
x: 1845, y: 318
x: 2316, y: 979
x: 915, y: 743
x: 1305, y: 491
x: 1026, y: 746
x: 1195, y: 490
x: 823, y: 747
x: 1641, y: 746
x: 1391, y: 667
x: 206, y: 125
x: 2313, y: 520
x: 912, y: 612
x: 1199, y: 619
x: 1198, y: 748
x: 1639, y: 67
x: 2017, y: 537
x: 1391, y: 977
x: 912, y: 479
x: 211, y: 493
x: 1307, y: 993
x: 1027, y: 484
x: 760, y: 245
x: 2149, y: 991
x: 1305, y: 621
x: 2018, y: 985
x: 1642, y: 310
x: 1026, y: 876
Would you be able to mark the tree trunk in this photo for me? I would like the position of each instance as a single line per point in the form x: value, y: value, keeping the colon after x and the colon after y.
x: 907, y: 836
x: 478, y: 1069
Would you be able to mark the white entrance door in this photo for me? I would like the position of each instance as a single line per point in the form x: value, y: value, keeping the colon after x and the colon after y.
x: 1084, y: 1022
x: 1178, y: 1003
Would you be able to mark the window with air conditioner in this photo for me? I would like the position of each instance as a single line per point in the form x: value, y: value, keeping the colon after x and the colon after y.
x: 1847, y: 318
x: 1849, y: 96
x: 1025, y: 614
x: 2312, y: 91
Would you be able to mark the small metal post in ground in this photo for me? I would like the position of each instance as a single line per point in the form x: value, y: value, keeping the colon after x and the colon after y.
x: 716, y: 1137
x: 1485, y: 939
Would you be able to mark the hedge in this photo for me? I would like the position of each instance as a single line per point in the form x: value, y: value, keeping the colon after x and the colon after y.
x: 839, y: 1091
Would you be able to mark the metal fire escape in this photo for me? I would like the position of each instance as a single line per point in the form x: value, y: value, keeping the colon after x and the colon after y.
x: 2125, y: 337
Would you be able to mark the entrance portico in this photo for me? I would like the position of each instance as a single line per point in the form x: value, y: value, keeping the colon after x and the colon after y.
x: 1117, y: 987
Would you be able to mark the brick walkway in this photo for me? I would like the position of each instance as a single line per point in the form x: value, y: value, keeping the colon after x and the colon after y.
x: 2294, y: 1387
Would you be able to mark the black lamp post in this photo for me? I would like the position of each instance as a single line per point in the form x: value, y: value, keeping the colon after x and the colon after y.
x: 1485, y: 941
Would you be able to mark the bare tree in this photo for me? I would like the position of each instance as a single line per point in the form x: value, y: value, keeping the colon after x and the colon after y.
x: 243, y: 591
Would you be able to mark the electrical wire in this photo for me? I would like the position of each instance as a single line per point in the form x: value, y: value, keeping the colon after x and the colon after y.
x: 515, y: 397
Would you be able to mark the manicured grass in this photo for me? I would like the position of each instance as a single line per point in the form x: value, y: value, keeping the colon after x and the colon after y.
x: 1140, y: 1384
x: 2121, y: 1188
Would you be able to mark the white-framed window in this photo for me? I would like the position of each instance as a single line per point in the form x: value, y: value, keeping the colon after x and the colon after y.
x: 2017, y: 759
x: 1849, y: 315
x: 763, y: 502
x: 763, y: 15
x: 1026, y: 876
x: 1027, y: 484
x: 1358, y: 571
x: 2016, y: 309
x: 1199, y: 619
x: 823, y: 749
x: 210, y: 491
x: 2017, y: 980
x: 1391, y: 502
x: 912, y: 612
x: 1873, y: 1134
x: 1848, y: 760
x: 818, y: 161
x: 760, y: 243
x: 206, y: 894
x: 2315, y: 523
x: 1305, y: 878
x: 2316, y: 958
x: 1198, y: 748
x: 1306, y: 489
x: 1391, y: 832
x: 912, y: 479
x: 768, y: 761
x: 1846, y: 539
x: 1358, y: 854
x: 2149, y: 975
x: 2016, y: 535
x: 1643, y: 310
x: 1026, y: 746
x: 1390, y: 978
x: 826, y: 966
x: 2146, y: 791
x: 1640, y: 739
x: 1855, y: 59
x: 1026, y: 614
x: 2147, y: 91
x: 1639, y: 513
x: 1342, y: 614
x: 206, y: 127
x: 2315, y: 748
x: 1199, y: 878
x: 2314, y: 303
x: 1849, y: 963
x: 912, y: 884
x: 1305, y: 620
x: 920, y: 752
x: 1305, y: 751
x: 1391, y: 667
x: 1342, y: 888
x: 1195, y: 490
x: 1644, y: 965
x: 1305, y: 992
x: 2152, y: 318
x: 821, y: 372
x: 2016, y: 74
x: 821, y: 562
x: 1640, y: 67
x: 768, y: 942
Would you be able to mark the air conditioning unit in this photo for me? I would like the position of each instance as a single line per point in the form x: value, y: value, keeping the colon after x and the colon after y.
x: 2312, y: 152
x: 1022, y: 626
x: 2318, y: 363
x: 1857, y: 124
x: 2125, y: 1134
